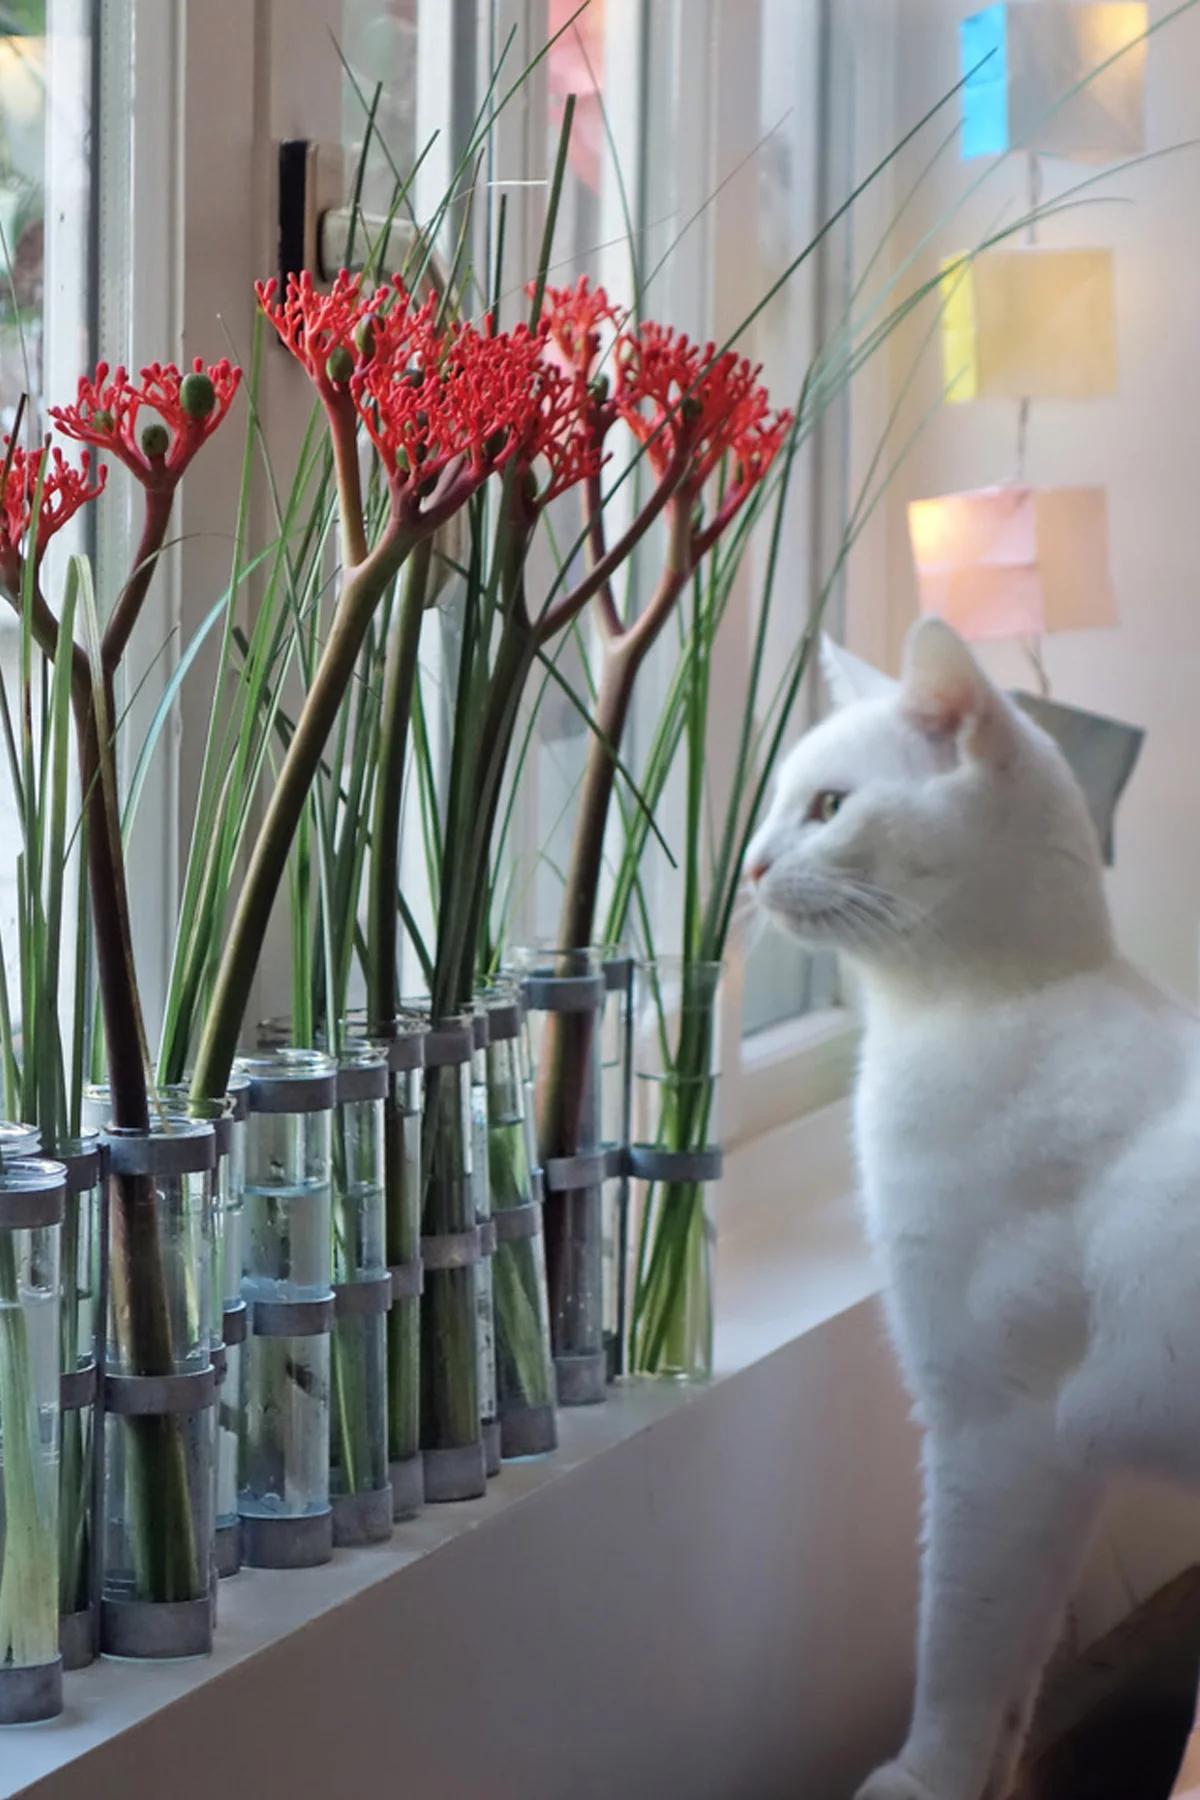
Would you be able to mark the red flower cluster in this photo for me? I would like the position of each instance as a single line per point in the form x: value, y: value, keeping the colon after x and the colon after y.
x: 683, y: 400
x: 553, y: 423
x: 189, y: 409
x: 573, y: 316
x: 685, y: 403
x: 449, y: 404
x: 439, y: 402
x: 322, y: 329
x: 64, y: 491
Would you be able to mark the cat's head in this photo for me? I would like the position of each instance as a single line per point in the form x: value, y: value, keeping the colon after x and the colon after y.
x: 929, y: 827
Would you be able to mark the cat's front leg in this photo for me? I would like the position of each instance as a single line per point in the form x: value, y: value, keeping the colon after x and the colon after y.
x: 1006, y: 1521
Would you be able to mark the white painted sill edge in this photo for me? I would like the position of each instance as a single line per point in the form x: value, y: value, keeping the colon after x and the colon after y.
x: 787, y: 1263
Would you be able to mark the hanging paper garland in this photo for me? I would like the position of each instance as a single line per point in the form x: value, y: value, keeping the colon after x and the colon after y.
x: 1023, y: 66
x: 1029, y: 322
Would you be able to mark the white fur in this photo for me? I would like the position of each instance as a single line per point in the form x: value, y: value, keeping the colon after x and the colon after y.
x: 1028, y: 1128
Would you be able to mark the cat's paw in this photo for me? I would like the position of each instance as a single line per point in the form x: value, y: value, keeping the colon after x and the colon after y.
x: 894, y: 1782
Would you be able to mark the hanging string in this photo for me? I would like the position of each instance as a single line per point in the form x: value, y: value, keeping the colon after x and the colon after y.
x: 1032, y: 646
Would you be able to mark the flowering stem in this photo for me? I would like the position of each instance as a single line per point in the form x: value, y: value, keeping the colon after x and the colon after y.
x: 383, y: 916
x: 363, y: 588
x: 124, y: 615
x: 344, y: 438
x: 559, y: 613
x: 110, y: 909
x: 623, y: 657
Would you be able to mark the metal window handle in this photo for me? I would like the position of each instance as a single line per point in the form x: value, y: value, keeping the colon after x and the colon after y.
x: 314, y: 224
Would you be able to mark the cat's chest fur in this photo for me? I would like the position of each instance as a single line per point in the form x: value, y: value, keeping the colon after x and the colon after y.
x: 1014, y: 1156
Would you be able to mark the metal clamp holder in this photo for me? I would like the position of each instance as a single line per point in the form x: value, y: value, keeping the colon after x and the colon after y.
x: 504, y: 1020
x: 157, y: 1628
x: 449, y: 1044
x: 82, y: 1166
x: 649, y: 1163
x: 452, y: 1249
x: 143, y: 1396
x: 618, y: 971
x: 513, y: 1223
x: 587, y: 1168
x: 367, y: 1298
x: 291, y: 1318
x: 40, y: 1200
x: 408, y: 1279
x: 188, y: 1148
x: 77, y: 1387
x: 362, y: 1082
x: 234, y: 1321
x: 564, y: 993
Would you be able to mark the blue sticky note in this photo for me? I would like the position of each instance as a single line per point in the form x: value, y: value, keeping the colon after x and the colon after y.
x: 983, y: 45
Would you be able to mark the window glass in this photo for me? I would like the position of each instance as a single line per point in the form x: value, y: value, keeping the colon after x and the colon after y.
x: 379, y: 43
x: 45, y: 280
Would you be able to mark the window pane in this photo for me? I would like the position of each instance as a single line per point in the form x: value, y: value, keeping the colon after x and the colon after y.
x: 45, y: 285
x: 379, y: 43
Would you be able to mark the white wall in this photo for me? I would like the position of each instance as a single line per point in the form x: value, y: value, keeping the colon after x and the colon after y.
x: 1143, y: 444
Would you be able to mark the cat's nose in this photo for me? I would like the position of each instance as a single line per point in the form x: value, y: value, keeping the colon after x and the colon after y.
x: 757, y: 867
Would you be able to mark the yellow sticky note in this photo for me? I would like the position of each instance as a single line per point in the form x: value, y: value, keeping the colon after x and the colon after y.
x: 1030, y: 323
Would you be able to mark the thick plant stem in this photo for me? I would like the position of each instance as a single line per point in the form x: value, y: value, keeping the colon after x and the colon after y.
x: 383, y: 919
x: 363, y: 589
x: 567, y: 1041
x: 613, y: 700
x: 124, y: 615
x: 463, y: 901
x: 171, y: 1565
x: 170, y: 1562
x: 110, y: 913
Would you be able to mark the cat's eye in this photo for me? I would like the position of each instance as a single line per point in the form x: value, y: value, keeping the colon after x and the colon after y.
x: 825, y: 805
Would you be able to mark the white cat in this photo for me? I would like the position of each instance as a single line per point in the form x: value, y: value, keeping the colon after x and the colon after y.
x: 1028, y: 1129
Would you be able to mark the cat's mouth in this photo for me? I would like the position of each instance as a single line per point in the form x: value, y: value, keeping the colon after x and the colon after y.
x: 861, y: 919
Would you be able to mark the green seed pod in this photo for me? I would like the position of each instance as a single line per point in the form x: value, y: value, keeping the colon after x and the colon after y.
x: 364, y: 337
x: 690, y: 408
x: 339, y: 364
x: 598, y: 389
x: 197, y: 396
x: 156, y: 440
x: 103, y: 420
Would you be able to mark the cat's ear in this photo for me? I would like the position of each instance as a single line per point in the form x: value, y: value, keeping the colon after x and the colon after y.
x: 947, y: 694
x: 848, y: 678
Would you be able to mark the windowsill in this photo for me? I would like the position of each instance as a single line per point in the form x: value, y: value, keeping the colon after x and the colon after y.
x: 794, y: 1069
x: 782, y: 1272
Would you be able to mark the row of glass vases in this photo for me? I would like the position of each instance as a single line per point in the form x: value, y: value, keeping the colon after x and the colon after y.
x: 314, y: 1322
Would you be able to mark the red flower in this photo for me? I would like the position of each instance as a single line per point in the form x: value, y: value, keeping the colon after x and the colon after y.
x: 64, y: 491
x: 681, y: 400
x: 315, y: 326
x: 192, y: 405
x: 442, y: 404
x: 562, y: 427
x: 573, y: 317
x: 189, y: 407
